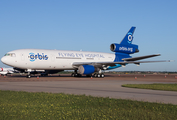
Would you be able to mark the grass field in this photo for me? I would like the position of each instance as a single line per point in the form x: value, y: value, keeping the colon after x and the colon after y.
x: 44, y: 106
x: 167, y: 87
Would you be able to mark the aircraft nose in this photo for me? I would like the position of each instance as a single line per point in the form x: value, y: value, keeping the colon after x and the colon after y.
x: 7, y: 60
x: 4, y: 60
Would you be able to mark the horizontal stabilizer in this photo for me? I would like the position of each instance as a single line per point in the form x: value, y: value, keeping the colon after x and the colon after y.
x: 140, y: 58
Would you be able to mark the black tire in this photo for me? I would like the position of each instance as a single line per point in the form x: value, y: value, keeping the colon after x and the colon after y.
x: 88, y: 75
x: 75, y: 75
x: 72, y: 74
x: 79, y: 75
x: 98, y: 75
x: 28, y: 76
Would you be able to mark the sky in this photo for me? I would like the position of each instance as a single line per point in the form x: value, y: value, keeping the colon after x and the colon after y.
x: 92, y: 25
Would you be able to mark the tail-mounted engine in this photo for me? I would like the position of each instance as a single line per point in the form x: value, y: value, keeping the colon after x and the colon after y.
x: 128, y: 49
x: 126, y: 45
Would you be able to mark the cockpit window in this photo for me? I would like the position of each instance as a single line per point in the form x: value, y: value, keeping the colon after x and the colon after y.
x: 10, y: 54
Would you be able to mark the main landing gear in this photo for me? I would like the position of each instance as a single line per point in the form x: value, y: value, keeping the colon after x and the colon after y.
x: 75, y: 74
x: 98, y: 75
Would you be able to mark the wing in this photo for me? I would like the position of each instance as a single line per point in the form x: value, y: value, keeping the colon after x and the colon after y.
x: 125, y: 61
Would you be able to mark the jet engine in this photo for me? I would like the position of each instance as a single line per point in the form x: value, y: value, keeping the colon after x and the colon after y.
x: 128, y: 49
x: 87, y: 69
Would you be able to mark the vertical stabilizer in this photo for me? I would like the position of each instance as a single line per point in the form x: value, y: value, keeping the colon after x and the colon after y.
x: 125, y: 46
x: 127, y: 40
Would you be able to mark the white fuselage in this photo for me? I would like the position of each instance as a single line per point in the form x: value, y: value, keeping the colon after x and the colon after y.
x: 40, y: 59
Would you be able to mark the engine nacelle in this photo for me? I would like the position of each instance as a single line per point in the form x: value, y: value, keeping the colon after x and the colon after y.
x: 87, y: 69
x: 129, y: 49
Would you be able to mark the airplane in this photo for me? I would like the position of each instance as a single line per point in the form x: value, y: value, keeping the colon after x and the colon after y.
x: 83, y: 63
x: 5, y: 71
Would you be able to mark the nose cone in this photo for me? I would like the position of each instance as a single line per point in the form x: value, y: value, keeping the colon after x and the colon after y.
x: 8, y: 61
x: 4, y: 60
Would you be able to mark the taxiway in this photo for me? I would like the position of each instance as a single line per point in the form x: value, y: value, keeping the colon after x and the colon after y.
x: 110, y: 86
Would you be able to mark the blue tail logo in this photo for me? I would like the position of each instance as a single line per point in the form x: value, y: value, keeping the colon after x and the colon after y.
x: 127, y: 40
x: 130, y: 38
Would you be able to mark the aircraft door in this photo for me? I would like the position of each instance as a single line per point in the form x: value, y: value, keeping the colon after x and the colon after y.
x: 53, y: 58
x: 53, y: 64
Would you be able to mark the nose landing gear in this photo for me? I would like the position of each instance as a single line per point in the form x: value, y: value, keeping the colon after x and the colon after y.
x: 29, y: 73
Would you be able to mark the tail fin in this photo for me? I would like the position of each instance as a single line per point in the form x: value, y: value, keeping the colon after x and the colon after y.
x: 127, y: 40
x: 126, y: 45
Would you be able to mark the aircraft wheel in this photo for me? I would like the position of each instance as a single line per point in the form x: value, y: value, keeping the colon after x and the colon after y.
x: 79, y: 75
x: 28, y: 76
x: 88, y: 75
x: 75, y: 75
x: 98, y: 75
x: 95, y: 75
x: 72, y: 74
